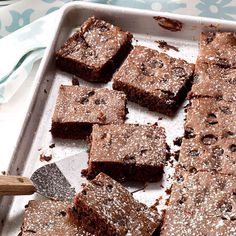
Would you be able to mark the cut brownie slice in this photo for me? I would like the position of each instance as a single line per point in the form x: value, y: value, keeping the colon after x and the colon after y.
x: 47, y: 217
x: 213, y: 81
x: 218, y: 48
x: 154, y: 79
x: 78, y: 108
x: 95, y: 51
x: 201, y: 204
x: 128, y: 151
x: 105, y: 207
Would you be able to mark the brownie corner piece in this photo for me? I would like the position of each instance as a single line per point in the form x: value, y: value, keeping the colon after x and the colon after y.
x: 154, y: 80
x: 95, y: 51
x: 105, y: 207
x: 78, y: 108
x: 128, y: 152
x: 49, y: 217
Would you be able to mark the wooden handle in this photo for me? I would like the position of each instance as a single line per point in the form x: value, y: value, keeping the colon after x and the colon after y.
x: 16, y: 185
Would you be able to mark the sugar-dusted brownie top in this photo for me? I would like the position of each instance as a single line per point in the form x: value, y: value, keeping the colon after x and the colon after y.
x: 47, y: 217
x: 211, y: 115
x: 147, y: 69
x: 115, y: 206
x: 129, y: 143
x: 214, y: 81
x: 77, y: 104
x: 95, y: 50
x: 218, y: 48
x: 201, y: 204
x: 128, y: 152
x: 210, y: 140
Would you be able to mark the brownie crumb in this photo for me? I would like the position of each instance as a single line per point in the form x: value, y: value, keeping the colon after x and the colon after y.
x: 164, y: 45
x: 178, y: 141
x: 4, y: 172
x: 168, y: 191
x: 52, y: 145
x: 44, y: 157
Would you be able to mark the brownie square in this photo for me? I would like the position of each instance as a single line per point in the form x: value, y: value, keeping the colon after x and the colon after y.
x: 154, y: 79
x: 215, y: 82
x: 95, y: 51
x: 105, y: 207
x: 48, y: 217
x: 201, y: 203
x: 78, y: 108
x: 128, y: 151
x: 218, y: 48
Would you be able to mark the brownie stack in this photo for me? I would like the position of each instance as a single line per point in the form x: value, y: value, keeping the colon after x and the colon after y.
x: 203, y: 198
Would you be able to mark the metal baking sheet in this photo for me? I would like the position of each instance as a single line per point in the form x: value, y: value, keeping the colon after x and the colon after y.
x: 35, y: 137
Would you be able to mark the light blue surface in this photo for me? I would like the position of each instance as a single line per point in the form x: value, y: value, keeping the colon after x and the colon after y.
x: 22, y: 42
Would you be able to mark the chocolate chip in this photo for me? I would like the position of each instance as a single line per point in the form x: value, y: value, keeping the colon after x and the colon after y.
x: 91, y: 93
x: 180, y: 179
x: 232, y: 147
x: 99, y: 101
x: 209, y: 139
x: 217, y: 151
x: 210, y: 37
x: 225, y: 207
x: 226, y: 110
x: 63, y: 213
x: 222, y: 63
x: 179, y: 71
x: 192, y: 169
x: 104, y: 28
x: 182, y: 200
x: 227, y: 134
x: 143, y: 151
x: 129, y: 159
x: 189, y: 133
x: 155, y: 63
x: 109, y: 188
x: 84, y: 192
x: 194, y: 153
x: 84, y: 100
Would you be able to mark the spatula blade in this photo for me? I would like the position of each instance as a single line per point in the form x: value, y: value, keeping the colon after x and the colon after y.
x: 62, y: 179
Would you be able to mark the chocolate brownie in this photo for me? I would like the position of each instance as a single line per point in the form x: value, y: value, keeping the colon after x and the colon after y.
x: 95, y: 51
x: 47, y: 217
x: 213, y: 81
x: 128, y: 151
x: 154, y: 79
x: 201, y: 203
x: 78, y: 108
x: 105, y: 207
x: 218, y: 48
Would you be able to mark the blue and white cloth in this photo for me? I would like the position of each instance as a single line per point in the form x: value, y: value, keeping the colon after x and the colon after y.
x: 28, y: 44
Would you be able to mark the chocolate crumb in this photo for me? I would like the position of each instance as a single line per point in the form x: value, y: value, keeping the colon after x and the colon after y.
x: 164, y: 45
x: 168, y: 191
x: 44, y: 157
x: 178, y: 141
x: 52, y: 145
x: 169, y: 24
x: 176, y: 155
x: 4, y: 172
